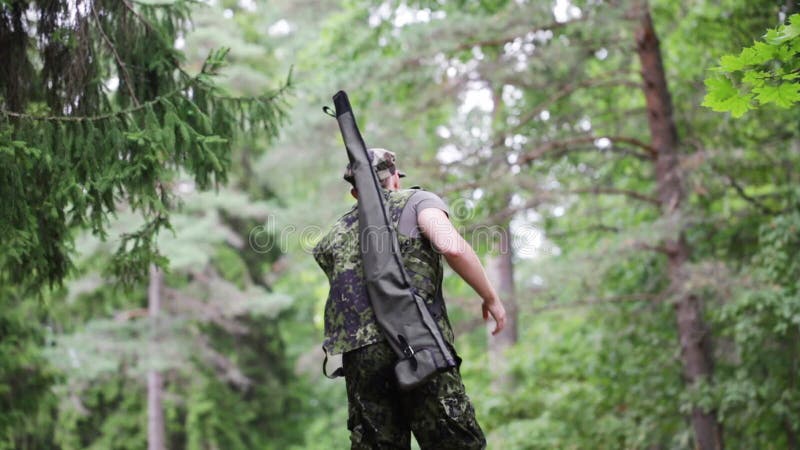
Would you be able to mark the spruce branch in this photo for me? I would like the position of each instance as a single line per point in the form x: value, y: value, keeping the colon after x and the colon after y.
x: 120, y: 63
x: 547, y: 147
x: 599, y: 227
x: 565, y: 91
x: 465, y: 43
x: 194, y: 81
x: 615, y: 191
x: 542, y: 196
x: 129, y: 6
x: 498, y: 167
x: 503, y: 40
x: 753, y: 200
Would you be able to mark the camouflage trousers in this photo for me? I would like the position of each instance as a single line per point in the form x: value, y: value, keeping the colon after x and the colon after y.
x: 380, y: 416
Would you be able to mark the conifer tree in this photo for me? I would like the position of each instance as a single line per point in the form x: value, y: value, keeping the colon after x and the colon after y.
x: 96, y: 110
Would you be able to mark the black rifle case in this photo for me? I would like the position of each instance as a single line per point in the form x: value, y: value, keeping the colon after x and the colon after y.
x: 402, y: 315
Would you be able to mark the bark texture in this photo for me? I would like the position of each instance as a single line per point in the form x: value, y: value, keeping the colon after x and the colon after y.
x: 693, y: 334
x: 156, y: 434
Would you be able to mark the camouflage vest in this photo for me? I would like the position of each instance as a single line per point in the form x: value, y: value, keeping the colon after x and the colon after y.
x: 350, y: 322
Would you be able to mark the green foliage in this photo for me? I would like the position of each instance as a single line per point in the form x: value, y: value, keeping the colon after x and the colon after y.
x: 762, y: 322
x: 93, y: 175
x: 597, y: 362
x: 767, y: 72
x: 219, y: 343
x: 73, y: 150
x: 108, y: 415
x: 584, y: 375
x: 25, y: 375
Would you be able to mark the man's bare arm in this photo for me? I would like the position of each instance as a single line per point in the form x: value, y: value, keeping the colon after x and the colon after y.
x: 436, y: 226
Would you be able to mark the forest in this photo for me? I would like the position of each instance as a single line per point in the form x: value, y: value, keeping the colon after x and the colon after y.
x: 628, y: 172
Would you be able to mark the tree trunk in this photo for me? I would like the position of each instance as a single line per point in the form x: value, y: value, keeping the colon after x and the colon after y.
x: 791, y: 437
x: 500, y: 269
x: 693, y: 334
x: 156, y: 435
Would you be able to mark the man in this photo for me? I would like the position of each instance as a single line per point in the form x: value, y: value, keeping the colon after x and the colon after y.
x: 380, y: 416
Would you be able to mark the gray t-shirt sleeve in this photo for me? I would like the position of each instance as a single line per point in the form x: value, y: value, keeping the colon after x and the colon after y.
x: 416, y: 203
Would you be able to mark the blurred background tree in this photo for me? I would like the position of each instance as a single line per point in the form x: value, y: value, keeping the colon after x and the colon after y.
x: 103, y: 122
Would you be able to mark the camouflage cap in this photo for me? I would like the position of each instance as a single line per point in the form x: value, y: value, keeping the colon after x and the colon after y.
x: 383, y: 161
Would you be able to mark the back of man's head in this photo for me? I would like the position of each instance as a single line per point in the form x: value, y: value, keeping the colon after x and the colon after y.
x: 384, y: 162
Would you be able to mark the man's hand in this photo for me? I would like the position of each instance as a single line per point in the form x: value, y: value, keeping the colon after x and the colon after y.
x: 498, y: 313
x: 435, y: 225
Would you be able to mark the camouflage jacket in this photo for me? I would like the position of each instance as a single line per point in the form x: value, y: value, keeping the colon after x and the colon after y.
x: 350, y: 322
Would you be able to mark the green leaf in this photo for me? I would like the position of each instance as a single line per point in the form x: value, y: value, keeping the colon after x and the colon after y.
x: 783, y: 95
x: 732, y: 63
x: 758, y: 53
x: 755, y: 77
x: 722, y: 96
x: 784, y: 33
x: 784, y: 53
x: 719, y: 90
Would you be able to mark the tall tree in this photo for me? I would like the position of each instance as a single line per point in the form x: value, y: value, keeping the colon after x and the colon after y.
x: 96, y: 109
x: 100, y: 112
x: 693, y: 333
